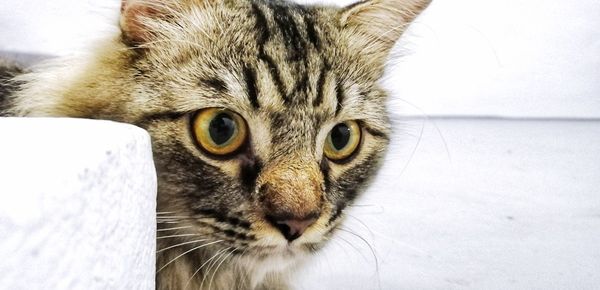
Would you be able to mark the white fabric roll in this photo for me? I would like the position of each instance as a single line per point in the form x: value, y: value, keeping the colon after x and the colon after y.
x: 77, y: 205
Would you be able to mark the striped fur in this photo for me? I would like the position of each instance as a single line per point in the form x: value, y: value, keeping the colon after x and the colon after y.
x: 292, y: 72
x: 8, y: 71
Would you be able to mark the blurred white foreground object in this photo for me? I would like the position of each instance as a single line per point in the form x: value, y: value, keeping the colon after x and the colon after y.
x: 77, y: 205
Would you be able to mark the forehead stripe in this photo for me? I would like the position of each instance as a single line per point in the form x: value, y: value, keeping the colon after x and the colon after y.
x: 250, y: 78
x: 313, y: 36
x: 292, y: 38
x: 321, y: 86
x: 262, y: 27
x: 340, y: 95
x: 275, y: 76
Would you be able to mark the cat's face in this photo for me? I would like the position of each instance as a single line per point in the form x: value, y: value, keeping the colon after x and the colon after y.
x: 266, y: 117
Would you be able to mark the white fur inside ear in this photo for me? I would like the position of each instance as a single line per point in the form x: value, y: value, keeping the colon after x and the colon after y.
x: 137, y: 17
x: 384, y: 20
x: 132, y: 21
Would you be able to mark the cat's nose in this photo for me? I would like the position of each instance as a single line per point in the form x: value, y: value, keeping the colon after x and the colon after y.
x: 292, y: 228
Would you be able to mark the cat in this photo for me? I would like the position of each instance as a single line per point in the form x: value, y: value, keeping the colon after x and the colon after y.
x: 266, y: 117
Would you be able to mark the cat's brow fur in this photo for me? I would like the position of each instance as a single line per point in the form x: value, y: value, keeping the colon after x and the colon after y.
x: 291, y: 71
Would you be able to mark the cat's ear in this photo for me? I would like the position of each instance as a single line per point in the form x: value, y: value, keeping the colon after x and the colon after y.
x: 137, y: 16
x: 376, y: 25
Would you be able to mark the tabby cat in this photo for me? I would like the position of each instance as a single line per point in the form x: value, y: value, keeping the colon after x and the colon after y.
x: 266, y: 117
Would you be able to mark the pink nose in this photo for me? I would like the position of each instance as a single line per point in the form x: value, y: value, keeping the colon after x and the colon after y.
x: 292, y: 228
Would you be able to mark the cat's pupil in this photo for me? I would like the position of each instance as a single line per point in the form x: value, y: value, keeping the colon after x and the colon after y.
x: 221, y: 128
x: 340, y: 135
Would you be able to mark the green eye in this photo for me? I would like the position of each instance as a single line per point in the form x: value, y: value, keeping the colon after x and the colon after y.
x: 219, y: 131
x: 342, y: 140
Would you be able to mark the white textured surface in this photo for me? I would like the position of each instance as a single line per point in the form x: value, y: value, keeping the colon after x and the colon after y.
x: 77, y: 205
x: 516, y: 206
x: 462, y: 57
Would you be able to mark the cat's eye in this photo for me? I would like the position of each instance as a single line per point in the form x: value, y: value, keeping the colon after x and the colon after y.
x: 219, y: 131
x: 342, y: 141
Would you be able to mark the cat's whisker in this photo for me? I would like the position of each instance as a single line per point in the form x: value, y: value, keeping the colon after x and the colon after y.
x: 396, y: 241
x: 210, y: 266
x: 177, y: 236
x: 408, y: 134
x: 405, y: 245
x: 159, y: 220
x: 172, y: 229
x: 432, y: 122
x: 357, y: 250
x: 188, y: 251
x: 373, y: 253
x: 414, y: 150
x: 202, y: 266
x: 218, y: 266
x: 175, y: 217
x: 339, y: 244
x: 362, y: 223
x: 181, y: 244
x: 361, y: 205
x: 172, y: 219
x: 366, y: 243
x: 245, y: 274
x: 327, y: 260
x: 169, y: 222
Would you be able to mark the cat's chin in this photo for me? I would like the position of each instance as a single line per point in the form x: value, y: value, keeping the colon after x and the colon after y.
x: 266, y: 262
x: 292, y: 250
x: 286, y: 250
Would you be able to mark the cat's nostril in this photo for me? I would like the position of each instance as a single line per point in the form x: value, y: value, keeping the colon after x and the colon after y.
x: 292, y: 228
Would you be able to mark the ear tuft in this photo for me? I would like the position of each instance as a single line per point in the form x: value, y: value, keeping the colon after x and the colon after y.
x: 135, y: 16
x: 380, y: 23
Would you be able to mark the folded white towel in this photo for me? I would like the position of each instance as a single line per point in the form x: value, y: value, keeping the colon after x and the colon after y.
x: 77, y: 205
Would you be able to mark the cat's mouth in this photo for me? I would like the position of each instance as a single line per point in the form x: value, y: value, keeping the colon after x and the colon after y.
x: 288, y: 251
x: 277, y: 238
x: 273, y: 243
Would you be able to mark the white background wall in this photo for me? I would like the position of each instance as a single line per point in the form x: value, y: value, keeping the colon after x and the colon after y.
x: 533, y: 58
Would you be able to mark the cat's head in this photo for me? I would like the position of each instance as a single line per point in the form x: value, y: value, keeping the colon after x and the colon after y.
x: 266, y: 117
